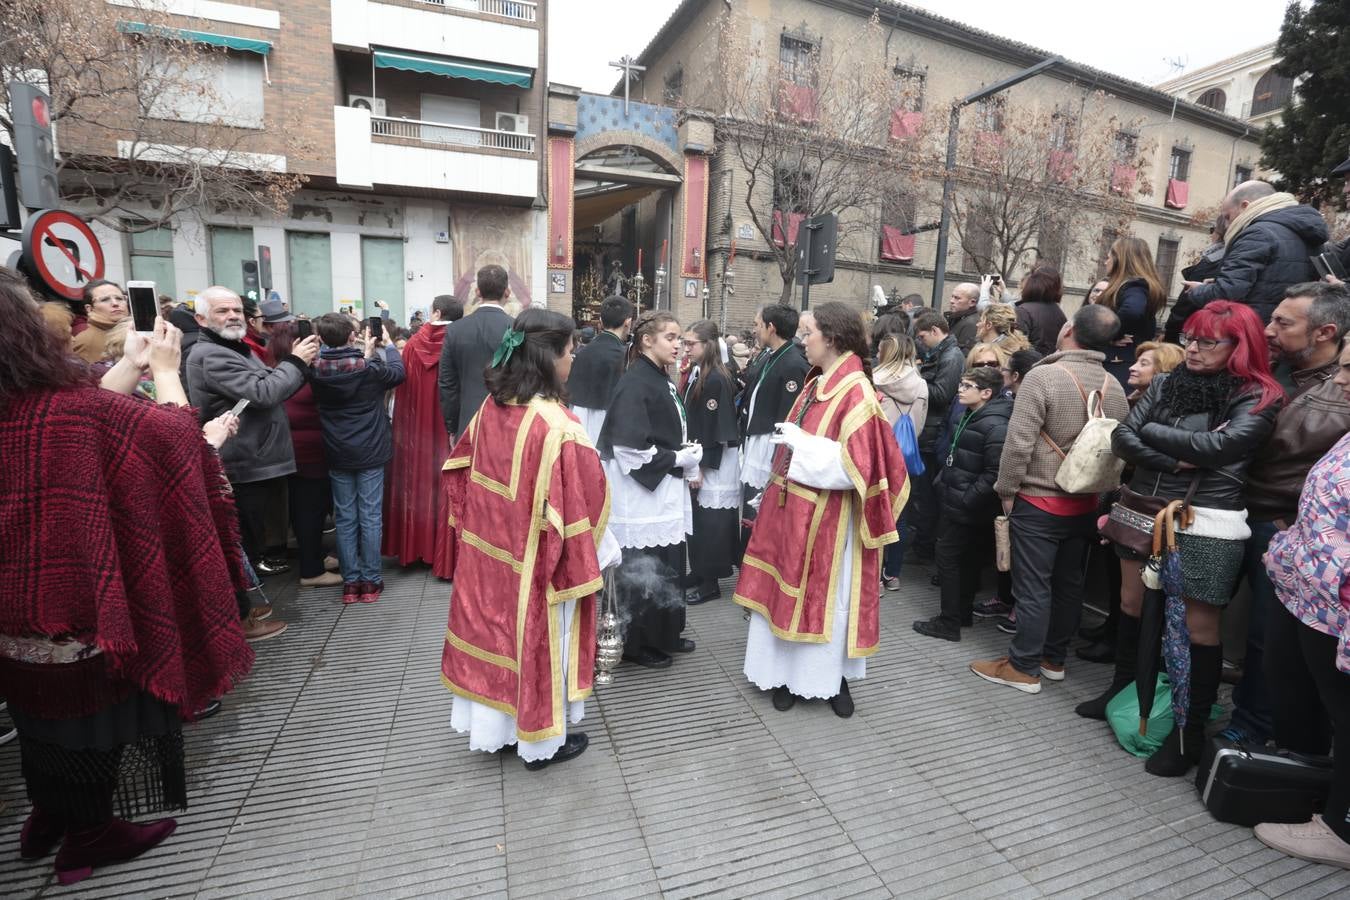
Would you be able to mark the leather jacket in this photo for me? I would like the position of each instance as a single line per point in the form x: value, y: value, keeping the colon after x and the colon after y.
x: 1308, y: 426
x: 1220, y: 445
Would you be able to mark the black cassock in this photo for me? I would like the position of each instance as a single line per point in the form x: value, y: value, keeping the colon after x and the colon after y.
x: 710, y: 401
x: 596, y: 371
x: 645, y: 412
x: 779, y: 376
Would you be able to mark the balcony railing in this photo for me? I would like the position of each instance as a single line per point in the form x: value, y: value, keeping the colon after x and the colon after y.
x: 508, y: 9
x: 447, y: 137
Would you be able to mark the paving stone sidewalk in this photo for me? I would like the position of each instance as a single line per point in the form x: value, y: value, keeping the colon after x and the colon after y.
x: 333, y: 770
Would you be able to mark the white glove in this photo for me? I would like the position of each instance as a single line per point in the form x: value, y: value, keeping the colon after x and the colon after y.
x: 689, y: 457
x: 787, y: 433
x: 986, y: 284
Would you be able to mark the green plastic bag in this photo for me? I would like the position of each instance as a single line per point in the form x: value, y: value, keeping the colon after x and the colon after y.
x: 1122, y: 713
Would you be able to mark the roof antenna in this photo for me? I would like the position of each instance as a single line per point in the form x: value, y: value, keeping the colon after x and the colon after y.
x: 1176, y: 65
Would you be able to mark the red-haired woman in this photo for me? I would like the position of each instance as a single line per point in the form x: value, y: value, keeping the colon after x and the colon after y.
x: 1195, y: 430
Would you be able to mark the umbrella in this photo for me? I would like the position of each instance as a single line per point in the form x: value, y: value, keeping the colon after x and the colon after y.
x: 1162, y: 620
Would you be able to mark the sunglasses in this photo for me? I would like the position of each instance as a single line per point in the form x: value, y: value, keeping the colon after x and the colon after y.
x: 991, y: 364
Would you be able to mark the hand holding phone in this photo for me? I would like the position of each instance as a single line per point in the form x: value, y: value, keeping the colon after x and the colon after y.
x: 303, y: 329
x: 239, y: 408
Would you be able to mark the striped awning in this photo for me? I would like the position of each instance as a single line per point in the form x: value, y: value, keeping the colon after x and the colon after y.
x: 246, y: 45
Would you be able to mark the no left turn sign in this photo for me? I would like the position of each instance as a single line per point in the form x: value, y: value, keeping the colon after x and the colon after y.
x: 61, y: 251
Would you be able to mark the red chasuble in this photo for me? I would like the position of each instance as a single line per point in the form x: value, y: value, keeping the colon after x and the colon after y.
x: 528, y: 503
x: 413, y: 512
x: 791, y: 569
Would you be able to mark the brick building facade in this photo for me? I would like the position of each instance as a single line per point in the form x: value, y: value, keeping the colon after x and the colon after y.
x: 416, y: 122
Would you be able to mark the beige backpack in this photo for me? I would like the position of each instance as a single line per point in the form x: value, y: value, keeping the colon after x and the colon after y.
x: 1089, y: 466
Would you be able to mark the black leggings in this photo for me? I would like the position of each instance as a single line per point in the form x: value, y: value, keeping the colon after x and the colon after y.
x: 1311, y: 699
x: 310, y: 501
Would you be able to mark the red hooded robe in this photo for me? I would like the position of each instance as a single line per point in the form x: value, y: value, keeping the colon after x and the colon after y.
x: 413, y: 514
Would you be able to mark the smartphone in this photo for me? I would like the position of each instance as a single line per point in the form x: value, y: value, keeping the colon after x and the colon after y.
x: 144, y: 304
x: 1328, y: 264
x: 239, y: 408
x: 303, y: 329
x: 376, y: 326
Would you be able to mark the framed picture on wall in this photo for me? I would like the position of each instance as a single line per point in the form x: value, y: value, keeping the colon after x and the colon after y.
x: 557, y: 282
x: 691, y: 287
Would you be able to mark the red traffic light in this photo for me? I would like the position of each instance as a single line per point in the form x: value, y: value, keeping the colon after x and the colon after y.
x: 41, y: 114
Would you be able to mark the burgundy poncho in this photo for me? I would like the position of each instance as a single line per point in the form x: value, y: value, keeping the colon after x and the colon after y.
x: 119, y: 530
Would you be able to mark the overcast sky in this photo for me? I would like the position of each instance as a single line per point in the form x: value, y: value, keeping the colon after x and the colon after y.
x: 1139, y: 39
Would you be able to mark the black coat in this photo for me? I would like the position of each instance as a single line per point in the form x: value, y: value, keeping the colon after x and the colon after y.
x: 965, y: 488
x: 1135, y: 323
x: 1219, y: 444
x: 1268, y: 256
x: 596, y: 371
x: 710, y: 403
x: 1206, y: 267
x: 643, y: 414
x: 942, y: 370
x: 782, y: 373
x: 465, y: 354
x: 350, y: 396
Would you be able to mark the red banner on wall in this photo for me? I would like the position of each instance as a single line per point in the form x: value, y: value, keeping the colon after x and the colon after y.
x: 693, y: 264
x: 560, y: 174
x: 896, y: 246
x: 1178, y: 193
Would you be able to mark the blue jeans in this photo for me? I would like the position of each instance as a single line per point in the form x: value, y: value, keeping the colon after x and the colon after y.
x: 893, y: 556
x: 357, y: 498
x: 1252, y: 711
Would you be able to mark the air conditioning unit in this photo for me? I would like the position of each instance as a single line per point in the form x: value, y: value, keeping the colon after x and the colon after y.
x: 513, y: 122
x: 373, y: 105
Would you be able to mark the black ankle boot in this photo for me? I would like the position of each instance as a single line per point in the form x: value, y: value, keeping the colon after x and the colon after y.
x: 1183, y: 746
x: 1127, y: 652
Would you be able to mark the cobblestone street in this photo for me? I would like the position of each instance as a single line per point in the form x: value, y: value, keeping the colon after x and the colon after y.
x: 333, y: 771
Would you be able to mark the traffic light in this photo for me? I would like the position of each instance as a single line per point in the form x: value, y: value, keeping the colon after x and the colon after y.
x: 265, y: 267
x: 30, y: 110
x: 251, y: 280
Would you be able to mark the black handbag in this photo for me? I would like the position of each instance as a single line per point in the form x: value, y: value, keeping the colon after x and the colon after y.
x: 1246, y: 786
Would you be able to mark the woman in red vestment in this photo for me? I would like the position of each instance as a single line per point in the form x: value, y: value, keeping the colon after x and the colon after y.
x: 811, y: 573
x: 528, y: 505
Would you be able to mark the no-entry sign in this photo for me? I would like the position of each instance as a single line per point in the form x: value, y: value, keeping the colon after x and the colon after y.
x: 61, y: 251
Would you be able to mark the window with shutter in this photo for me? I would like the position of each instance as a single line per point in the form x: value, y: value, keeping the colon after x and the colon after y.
x: 1167, y: 262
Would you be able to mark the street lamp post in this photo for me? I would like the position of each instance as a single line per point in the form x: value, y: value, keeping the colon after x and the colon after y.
x: 945, y: 224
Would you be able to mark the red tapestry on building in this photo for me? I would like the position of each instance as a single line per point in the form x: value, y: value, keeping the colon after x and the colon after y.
x: 896, y: 246
x: 694, y: 256
x: 1178, y: 192
x: 905, y: 124
x: 794, y: 221
x: 560, y: 172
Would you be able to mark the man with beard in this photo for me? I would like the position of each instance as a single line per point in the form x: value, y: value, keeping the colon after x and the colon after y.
x: 1304, y: 333
x: 221, y: 371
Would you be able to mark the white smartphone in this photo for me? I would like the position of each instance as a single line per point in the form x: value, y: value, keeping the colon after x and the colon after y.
x: 239, y: 408
x: 144, y: 302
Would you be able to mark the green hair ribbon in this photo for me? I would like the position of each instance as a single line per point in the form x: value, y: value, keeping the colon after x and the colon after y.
x: 510, y: 341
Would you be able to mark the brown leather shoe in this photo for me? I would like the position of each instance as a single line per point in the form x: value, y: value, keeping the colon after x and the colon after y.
x: 257, y: 630
x: 1002, y: 671
x: 263, y: 612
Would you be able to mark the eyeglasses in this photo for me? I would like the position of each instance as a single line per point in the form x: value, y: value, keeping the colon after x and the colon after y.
x: 968, y: 386
x: 1205, y: 344
x: 988, y: 364
x: 689, y: 345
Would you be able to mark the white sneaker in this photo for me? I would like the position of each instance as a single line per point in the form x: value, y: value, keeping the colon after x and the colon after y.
x: 327, y: 579
x: 1312, y: 841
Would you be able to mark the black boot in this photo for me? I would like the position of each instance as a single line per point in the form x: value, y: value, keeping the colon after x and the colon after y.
x: 1183, y: 746
x: 1127, y: 651
x: 842, y: 702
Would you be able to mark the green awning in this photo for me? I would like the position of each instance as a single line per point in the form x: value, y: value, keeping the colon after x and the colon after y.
x: 454, y: 68
x: 246, y: 45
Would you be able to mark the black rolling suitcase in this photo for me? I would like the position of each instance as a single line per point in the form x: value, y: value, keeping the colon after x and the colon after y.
x: 1247, y: 786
